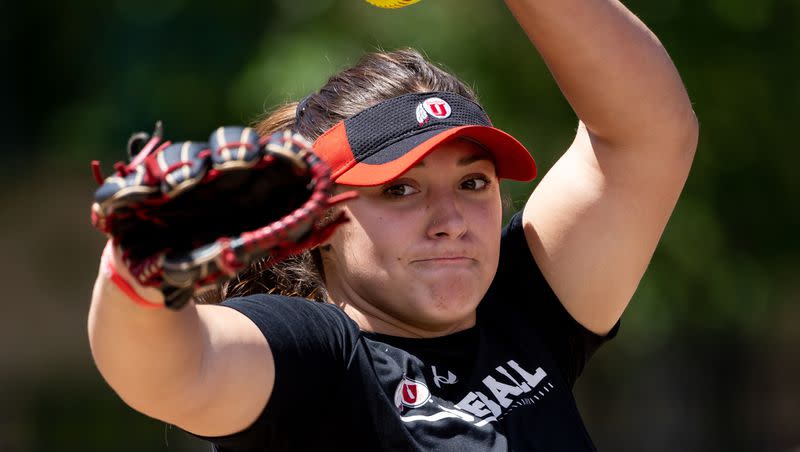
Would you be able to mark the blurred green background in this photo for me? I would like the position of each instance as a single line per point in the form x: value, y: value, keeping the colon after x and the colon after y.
x: 707, y: 359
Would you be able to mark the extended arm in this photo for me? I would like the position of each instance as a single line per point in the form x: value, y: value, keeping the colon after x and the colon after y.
x: 207, y: 369
x: 595, y: 219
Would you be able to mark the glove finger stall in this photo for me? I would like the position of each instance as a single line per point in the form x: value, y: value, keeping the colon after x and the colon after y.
x: 234, y: 147
x: 181, y: 164
x: 124, y: 189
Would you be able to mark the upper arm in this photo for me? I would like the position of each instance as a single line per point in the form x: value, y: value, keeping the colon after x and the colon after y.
x: 595, y: 219
x: 236, y: 378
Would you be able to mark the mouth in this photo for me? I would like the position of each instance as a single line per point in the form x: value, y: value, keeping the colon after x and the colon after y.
x: 444, y: 260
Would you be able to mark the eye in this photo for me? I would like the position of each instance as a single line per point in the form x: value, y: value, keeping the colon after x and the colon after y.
x: 476, y: 183
x: 399, y: 190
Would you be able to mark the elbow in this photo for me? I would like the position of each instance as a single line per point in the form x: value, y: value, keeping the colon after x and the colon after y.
x: 691, y: 131
x: 681, y: 122
x: 678, y: 134
x: 665, y: 130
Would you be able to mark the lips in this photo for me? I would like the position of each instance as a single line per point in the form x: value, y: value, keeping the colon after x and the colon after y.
x: 444, y: 258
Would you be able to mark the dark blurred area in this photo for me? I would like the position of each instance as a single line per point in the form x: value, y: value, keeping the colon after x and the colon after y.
x: 708, y: 356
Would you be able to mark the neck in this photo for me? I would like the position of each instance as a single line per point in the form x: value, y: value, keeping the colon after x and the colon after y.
x: 368, y: 318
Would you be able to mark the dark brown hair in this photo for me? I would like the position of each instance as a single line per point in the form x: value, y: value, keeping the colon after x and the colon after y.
x: 376, y: 77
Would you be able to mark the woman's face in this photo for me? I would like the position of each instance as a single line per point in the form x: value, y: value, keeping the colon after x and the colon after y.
x: 420, y: 252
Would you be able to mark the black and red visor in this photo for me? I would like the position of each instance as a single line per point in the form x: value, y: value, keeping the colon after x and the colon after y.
x: 382, y: 142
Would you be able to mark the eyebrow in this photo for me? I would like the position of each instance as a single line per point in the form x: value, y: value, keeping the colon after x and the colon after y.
x: 464, y: 161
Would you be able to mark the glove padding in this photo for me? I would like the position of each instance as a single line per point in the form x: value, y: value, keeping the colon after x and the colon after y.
x: 189, y: 215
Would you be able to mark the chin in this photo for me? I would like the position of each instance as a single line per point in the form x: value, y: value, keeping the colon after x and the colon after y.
x: 457, y: 295
x: 450, y: 309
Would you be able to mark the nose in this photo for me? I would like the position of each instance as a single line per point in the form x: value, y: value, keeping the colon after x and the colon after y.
x: 445, y: 219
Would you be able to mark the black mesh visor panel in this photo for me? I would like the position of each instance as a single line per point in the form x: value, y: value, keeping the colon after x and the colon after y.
x: 384, y: 126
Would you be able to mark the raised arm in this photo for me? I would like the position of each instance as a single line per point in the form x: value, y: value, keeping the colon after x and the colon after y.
x: 207, y: 369
x: 596, y: 217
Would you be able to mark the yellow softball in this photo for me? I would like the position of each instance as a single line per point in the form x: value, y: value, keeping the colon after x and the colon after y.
x: 391, y: 3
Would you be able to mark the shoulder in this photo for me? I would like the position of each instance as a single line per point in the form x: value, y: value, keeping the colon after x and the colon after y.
x: 522, y: 302
x: 516, y: 261
x: 287, y: 308
x: 286, y: 321
x: 518, y: 285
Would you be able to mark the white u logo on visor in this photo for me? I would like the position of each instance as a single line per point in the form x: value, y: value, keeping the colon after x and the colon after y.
x: 432, y: 106
x: 437, y: 108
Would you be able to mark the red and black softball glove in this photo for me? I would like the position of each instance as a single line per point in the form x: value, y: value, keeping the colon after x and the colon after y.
x: 189, y: 215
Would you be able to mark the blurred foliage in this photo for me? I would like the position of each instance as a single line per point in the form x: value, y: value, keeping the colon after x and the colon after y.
x: 83, y: 76
x: 74, y: 415
x: 88, y: 76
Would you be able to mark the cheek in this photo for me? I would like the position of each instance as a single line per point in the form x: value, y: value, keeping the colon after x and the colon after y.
x: 487, y: 217
x: 487, y: 227
x: 368, y: 244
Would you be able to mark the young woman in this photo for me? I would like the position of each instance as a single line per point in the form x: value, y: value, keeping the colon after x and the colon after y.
x: 438, y: 329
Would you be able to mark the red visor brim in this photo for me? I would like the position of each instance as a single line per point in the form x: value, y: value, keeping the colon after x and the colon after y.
x: 512, y: 159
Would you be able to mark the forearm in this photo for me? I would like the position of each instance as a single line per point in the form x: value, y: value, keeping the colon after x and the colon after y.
x: 148, y: 356
x: 614, y: 72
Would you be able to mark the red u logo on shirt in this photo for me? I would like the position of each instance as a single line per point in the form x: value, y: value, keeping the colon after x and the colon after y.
x: 411, y: 393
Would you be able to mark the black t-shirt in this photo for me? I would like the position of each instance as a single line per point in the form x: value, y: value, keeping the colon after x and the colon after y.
x: 505, y: 384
